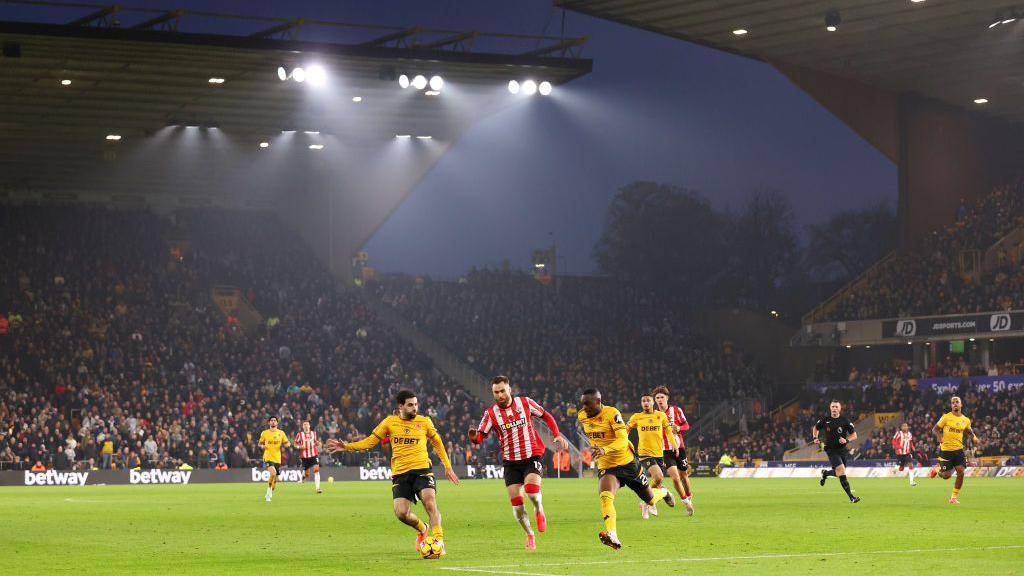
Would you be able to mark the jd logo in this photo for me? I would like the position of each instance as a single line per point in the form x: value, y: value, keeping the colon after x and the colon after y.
x: 999, y: 322
x: 906, y: 328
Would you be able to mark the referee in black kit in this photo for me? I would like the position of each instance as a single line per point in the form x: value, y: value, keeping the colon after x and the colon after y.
x: 838, y: 431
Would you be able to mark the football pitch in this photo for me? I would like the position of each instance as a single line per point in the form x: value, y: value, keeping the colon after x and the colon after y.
x: 783, y: 526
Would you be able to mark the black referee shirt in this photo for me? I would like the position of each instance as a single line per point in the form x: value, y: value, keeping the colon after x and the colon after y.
x: 834, y: 429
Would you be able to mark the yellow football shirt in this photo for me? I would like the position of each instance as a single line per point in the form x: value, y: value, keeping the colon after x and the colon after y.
x: 408, y: 443
x: 953, y: 428
x: 649, y: 430
x: 607, y: 430
x: 272, y: 440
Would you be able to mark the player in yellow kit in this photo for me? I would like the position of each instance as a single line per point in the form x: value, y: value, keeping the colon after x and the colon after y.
x: 950, y: 430
x: 411, y: 474
x: 271, y: 440
x: 650, y: 425
x: 616, y: 461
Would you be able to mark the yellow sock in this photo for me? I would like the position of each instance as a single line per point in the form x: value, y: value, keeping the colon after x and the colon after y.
x: 437, y: 532
x: 420, y: 526
x: 608, y: 510
x: 956, y: 492
x: 659, y: 493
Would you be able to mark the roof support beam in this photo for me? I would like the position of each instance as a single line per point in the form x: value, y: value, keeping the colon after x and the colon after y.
x: 450, y: 40
x: 279, y: 29
x: 160, y: 20
x: 401, y: 34
x: 100, y: 14
x: 563, y: 46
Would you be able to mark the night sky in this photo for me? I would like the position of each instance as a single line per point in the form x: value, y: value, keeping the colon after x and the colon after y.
x: 654, y: 108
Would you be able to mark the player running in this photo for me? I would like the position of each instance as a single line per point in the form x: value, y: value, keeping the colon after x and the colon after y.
x: 616, y: 461
x: 903, y: 445
x: 950, y: 430
x: 511, y: 418
x: 839, y: 431
x: 271, y: 441
x: 411, y: 474
x: 309, y: 450
x: 652, y: 428
x: 676, y: 465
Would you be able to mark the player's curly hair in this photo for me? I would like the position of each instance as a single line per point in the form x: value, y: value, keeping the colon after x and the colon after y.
x: 661, y: 390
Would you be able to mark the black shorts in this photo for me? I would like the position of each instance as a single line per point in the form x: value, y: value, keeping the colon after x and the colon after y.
x: 949, y: 459
x: 678, y: 461
x: 837, y: 457
x: 276, y: 465
x: 647, y: 461
x: 308, y: 463
x: 516, y: 471
x: 629, y: 475
x: 409, y: 484
x: 905, y: 460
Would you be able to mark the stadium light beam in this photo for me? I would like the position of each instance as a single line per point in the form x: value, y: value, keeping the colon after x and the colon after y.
x: 65, y: 82
x: 740, y: 32
x: 403, y: 81
x: 316, y: 146
x: 264, y: 144
x: 529, y: 87
x: 357, y: 99
x: 282, y: 74
x: 544, y: 88
x: 513, y: 86
x: 216, y: 80
x: 113, y: 137
x: 299, y: 74
x: 436, y: 83
x: 419, y: 82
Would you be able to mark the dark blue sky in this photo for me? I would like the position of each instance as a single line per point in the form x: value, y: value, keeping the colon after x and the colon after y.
x: 654, y: 108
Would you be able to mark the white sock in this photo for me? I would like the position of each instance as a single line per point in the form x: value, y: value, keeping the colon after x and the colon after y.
x: 536, y: 499
x: 316, y: 479
x: 524, y: 519
x: 270, y: 493
x: 910, y: 473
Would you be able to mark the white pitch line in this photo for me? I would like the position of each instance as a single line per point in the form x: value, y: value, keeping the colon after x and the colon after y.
x: 495, y: 568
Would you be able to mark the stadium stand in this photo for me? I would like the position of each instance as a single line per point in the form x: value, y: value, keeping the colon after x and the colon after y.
x: 554, y: 341
x: 930, y: 280
x: 115, y: 354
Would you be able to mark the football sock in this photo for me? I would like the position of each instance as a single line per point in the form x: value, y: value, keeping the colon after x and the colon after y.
x: 533, y: 493
x: 437, y: 532
x: 956, y: 492
x: 846, y: 486
x: 269, y: 492
x: 910, y: 473
x: 316, y: 479
x: 421, y: 527
x: 830, y: 473
x: 608, y: 511
x: 519, y: 511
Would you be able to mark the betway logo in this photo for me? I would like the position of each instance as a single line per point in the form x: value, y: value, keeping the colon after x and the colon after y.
x: 159, y: 477
x: 54, y: 478
x: 285, y: 476
x: 378, y: 473
x: 489, y: 471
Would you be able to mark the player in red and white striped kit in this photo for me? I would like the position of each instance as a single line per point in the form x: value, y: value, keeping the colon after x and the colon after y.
x: 511, y: 418
x: 677, y: 468
x: 309, y: 450
x: 903, y: 444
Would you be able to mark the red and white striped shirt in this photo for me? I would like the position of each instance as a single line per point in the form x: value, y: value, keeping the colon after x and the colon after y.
x: 678, y: 421
x: 514, y: 427
x: 308, y: 442
x: 903, y: 442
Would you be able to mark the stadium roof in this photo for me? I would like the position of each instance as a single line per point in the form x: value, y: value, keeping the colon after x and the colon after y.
x: 946, y: 49
x: 134, y: 72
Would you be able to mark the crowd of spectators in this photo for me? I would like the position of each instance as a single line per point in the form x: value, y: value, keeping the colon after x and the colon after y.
x: 555, y: 340
x: 113, y: 353
x: 928, y: 281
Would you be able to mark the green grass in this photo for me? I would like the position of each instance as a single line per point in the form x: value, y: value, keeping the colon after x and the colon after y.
x: 740, y: 525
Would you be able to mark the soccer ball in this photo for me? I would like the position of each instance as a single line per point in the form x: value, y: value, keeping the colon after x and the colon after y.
x: 431, y: 548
